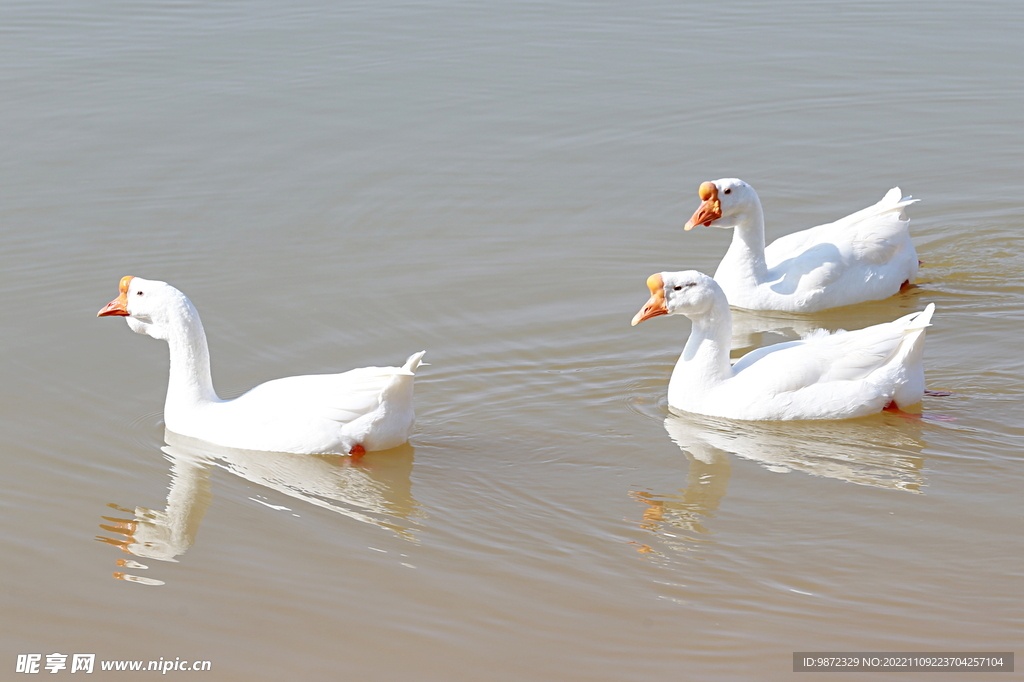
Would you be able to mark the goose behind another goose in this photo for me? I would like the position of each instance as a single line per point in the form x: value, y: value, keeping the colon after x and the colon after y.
x: 865, y: 256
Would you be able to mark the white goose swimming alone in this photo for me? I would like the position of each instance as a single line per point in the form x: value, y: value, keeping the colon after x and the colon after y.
x: 822, y: 376
x: 865, y: 256
x: 364, y: 409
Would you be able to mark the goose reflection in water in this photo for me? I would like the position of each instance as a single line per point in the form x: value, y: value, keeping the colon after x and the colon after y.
x: 882, y: 451
x: 754, y: 329
x: 376, y: 490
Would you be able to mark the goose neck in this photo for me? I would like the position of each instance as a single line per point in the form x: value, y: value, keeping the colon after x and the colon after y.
x: 190, y: 383
x: 745, y: 258
x: 704, y: 362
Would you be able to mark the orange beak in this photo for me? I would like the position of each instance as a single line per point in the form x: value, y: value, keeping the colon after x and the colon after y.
x: 656, y: 305
x: 710, y: 209
x: 119, y: 306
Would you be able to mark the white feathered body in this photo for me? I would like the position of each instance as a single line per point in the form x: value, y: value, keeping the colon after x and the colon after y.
x: 312, y: 414
x: 371, y: 407
x: 822, y: 376
x: 865, y: 256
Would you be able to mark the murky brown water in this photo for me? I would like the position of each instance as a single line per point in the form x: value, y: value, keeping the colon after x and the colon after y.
x: 336, y: 187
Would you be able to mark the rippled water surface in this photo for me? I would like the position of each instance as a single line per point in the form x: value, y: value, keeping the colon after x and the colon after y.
x: 339, y: 185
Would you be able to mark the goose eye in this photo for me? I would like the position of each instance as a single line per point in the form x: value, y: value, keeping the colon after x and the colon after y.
x: 677, y: 288
x: 138, y: 293
x: 728, y: 191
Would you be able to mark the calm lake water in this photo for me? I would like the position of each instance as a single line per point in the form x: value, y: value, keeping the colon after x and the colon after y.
x: 342, y: 184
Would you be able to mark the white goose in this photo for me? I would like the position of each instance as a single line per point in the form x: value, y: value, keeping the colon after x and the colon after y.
x: 865, y: 256
x: 364, y: 409
x: 823, y: 376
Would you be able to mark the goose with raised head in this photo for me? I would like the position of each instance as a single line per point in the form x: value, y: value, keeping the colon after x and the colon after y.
x: 865, y: 256
x: 364, y: 409
x: 823, y: 376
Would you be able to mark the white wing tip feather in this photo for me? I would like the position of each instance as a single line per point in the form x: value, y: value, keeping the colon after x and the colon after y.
x: 413, y: 362
x: 916, y: 321
x: 896, y: 199
x: 923, y: 319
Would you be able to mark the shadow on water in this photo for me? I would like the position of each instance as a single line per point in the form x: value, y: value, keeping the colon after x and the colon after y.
x: 376, y: 490
x: 883, y: 451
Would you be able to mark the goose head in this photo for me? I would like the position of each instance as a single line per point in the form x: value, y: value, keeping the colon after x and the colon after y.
x: 724, y: 203
x: 689, y: 293
x: 149, y: 307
